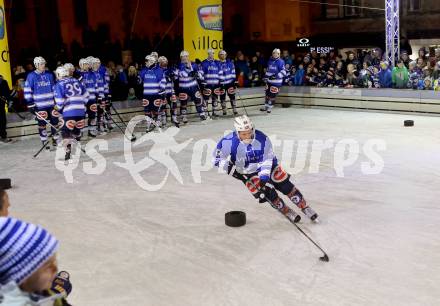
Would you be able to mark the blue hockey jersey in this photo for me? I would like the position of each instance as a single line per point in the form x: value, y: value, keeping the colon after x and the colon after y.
x: 275, y: 68
x: 169, y: 82
x: 100, y: 85
x: 211, y: 72
x: 88, y: 79
x: 227, y: 72
x: 256, y: 157
x: 153, y: 80
x: 38, y: 90
x: 183, y: 73
x: 71, y: 97
x: 106, y: 77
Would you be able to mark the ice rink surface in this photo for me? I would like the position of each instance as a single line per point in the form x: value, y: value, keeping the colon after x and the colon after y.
x: 126, y: 246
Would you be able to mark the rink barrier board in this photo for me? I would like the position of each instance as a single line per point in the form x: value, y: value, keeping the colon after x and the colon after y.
x: 393, y: 100
x: 18, y: 127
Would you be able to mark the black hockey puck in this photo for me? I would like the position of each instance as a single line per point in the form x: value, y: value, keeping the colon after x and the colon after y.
x: 235, y: 218
x: 408, y: 123
x: 5, y: 183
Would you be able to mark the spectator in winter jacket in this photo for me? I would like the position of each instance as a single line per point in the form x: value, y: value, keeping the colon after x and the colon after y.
x: 286, y: 57
x: 400, y: 75
x: 352, y: 76
x: 385, y: 75
x: 375, y: 77
x: 299, y: 76
x: 415, y: 75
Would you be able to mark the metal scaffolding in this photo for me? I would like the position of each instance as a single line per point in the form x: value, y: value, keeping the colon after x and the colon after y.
x: 392, y: 31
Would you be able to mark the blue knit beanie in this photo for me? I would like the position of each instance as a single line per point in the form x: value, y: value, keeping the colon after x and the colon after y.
x: 24, y: 248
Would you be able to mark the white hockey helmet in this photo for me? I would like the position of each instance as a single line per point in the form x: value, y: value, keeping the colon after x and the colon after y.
x: 243, y: 124
x: 276, y: 53
x: 184, y: 53
x: 61, y: 72
x: 150, y: 60
x: 155, y: 55
x: 162, y: 60
x: 39, y: 61
x: 69, y: 66
x: 96, y: 61
x: 83, y: 63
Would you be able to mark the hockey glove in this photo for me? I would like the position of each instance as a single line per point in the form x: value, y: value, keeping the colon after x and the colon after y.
x: 61, y: 284
x: 193, y: 74
x: 239, y: 176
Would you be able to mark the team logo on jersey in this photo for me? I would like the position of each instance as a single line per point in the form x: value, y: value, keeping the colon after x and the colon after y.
x: 145, y: 102
x: 211, y: 17
x: 70, y: 124
x: 253, y: 186
x: 207, y: 92
x: 94, y: 107
x: 80, y: 124
x: 157, y: 102
x: 231, y: 90
x: 279, y: 175
x: 55, y: 113
x: 42, y: 115
x: 183, y: 96
x: 217, y: 91
x: 274, y: 89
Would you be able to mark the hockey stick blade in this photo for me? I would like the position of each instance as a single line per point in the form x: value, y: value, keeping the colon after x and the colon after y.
x: 324, y: 258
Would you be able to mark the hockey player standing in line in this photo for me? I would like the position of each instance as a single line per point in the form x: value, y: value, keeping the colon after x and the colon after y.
x: 154, y: 89
x: 188, y: 73
x: 275, y: 74
x: 228, y: 81
x: 95, y: 64
x: 89, y: 81
x: 71, y: 98
x: 107, y: 100
x: 39, y: 97
x: 211, y: 81
x: 170, y: 95
x: 250, y: 152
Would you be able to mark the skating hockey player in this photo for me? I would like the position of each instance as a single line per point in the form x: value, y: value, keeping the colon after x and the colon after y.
x: 40, y: 101
x: 211, y: 81
x: 154, y: 89
x: 187, y: 74
x: 170, y: 94
x: 275, y: 74
x: 250, y: 152
x: 228, y: 82
x: 71, y: 98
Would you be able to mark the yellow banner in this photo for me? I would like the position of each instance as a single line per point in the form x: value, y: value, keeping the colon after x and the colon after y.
x: 202, y: 27
x: 5, y: 65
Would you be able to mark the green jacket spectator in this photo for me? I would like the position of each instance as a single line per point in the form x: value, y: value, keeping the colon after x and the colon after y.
x: 400, y: 75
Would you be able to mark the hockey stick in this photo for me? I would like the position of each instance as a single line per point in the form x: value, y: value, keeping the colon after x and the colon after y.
x: 133, y: 137
x: 57, y: 131
x: 322, y: 258
x: 241, y: 100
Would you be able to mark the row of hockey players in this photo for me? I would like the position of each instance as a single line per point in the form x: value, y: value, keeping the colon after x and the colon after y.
x: 63, y: 105
x: 204, y: 84
x: 212, y: 80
